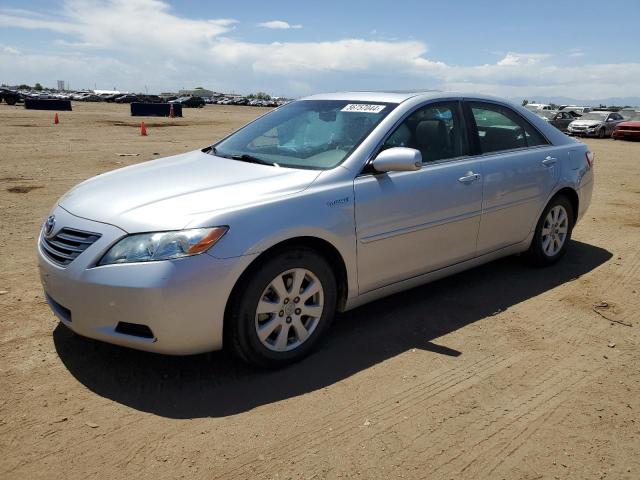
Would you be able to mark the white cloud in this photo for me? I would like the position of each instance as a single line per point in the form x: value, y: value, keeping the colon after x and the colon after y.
x: 279, y: 25
x: 9, y: 50
x: 513, y: 59
x: 349, y: 55
x: 103, y: 43
x: 117, y: 24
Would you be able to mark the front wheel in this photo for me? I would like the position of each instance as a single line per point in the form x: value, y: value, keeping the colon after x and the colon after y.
x: 282, y: 308
x: 553, y: 232
x: 602, y: 132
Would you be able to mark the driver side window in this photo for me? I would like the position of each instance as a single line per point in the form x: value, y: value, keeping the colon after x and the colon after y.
x: 437, y: 130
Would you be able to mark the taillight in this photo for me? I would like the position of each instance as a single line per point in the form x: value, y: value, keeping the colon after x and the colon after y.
x: 590, y: 158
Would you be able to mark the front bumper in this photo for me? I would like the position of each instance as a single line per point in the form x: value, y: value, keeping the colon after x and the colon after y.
x: 182, y: 301
x: 587, y: 132
x: 628, y: 134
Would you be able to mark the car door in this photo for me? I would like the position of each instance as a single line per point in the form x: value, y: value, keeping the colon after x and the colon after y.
x: 410, y: 223
x: 520, y: 170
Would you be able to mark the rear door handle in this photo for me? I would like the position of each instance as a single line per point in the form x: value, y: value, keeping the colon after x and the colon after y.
x: 469, y: 177
x: 548, y: 161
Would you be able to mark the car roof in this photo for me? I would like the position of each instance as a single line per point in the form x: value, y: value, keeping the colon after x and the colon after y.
x: 397, y: 96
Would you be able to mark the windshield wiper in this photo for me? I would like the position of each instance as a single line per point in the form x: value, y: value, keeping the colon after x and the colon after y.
x: 251, y: 159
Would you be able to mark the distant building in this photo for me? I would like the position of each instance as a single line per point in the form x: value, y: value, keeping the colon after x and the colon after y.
x: 197, y: 92
x: 61, y: 85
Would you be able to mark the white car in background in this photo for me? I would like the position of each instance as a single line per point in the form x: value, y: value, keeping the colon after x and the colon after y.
x: 575, y: 109
x: 595, y: 124
x: 538, y: 106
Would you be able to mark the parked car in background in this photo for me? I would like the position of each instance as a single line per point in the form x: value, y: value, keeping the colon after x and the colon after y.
x: 322, y: 205
x: 595, y: 124
x: 629, y: 129
x: 11, y: 97
x: 576, y: 109
x: 146, y: 98
x: 560, y: 120
x: 538, y: 106
x: 127, y: 98
x: 190, y: 102
x: 630, y: 113
x: 79, y: 96
x: 87, y: 97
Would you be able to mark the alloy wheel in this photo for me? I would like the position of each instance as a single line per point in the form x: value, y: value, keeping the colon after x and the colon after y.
x: 554, y: 230
x: 289, y: 310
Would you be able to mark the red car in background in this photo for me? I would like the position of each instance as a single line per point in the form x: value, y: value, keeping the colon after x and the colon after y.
x: 628, y: 130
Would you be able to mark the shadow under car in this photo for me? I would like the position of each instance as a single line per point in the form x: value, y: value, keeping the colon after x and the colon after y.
x: 217, y: 384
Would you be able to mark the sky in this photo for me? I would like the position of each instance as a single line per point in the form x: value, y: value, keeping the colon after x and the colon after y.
x: 581, y: 49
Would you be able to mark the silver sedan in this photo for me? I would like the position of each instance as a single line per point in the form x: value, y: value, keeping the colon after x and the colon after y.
x: 595, y: 124
x: 318, y: 206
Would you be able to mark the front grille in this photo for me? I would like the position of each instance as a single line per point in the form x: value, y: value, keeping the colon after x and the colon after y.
x: 67, y: 244
x: 629, y: 128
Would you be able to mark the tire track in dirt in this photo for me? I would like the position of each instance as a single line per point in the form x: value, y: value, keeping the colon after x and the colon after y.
x: 535, y: 406
x: 569, y: 329
x: 484, y: 420
x: 443, y: 382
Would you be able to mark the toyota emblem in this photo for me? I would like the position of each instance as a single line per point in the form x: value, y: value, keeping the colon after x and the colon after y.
x: 49, y: 225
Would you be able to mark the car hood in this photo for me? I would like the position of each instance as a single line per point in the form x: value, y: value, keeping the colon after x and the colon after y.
x: 168, y: 193
x: 630, y: 123
x: 586, y: 123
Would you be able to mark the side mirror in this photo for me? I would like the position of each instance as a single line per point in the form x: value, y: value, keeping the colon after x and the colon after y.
x: 398, y: 159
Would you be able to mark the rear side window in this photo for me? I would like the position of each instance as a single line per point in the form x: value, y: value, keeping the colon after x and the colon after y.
x: 500, y: 128
x: 437, y: 130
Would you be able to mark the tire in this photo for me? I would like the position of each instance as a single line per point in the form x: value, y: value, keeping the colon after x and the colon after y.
x: 288, y: 334
x: 602, y: 132
x: 540, y: 254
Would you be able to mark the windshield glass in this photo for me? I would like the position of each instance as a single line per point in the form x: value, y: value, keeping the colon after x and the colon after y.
x: 594, y: 116
x: 316, y: 134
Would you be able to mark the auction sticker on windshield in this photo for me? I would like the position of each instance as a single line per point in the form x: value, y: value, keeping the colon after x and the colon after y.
x: 362, y: 107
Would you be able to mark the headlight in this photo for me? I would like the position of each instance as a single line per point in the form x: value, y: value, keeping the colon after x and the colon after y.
x: 148, y: 247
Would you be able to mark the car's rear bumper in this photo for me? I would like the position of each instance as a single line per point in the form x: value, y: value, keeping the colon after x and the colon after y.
x: 584, y: 198
x: 181, y: 302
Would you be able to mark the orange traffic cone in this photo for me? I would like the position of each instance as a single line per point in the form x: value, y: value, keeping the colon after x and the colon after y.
x: 55, y: 119
x: 172, y: 112
x: 143, y: 130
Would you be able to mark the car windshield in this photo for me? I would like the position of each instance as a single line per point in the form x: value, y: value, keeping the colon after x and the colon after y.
x: 316, y: 134
x: 594, y: 116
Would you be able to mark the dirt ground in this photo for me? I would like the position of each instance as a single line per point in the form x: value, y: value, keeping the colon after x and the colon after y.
x: 503, y: 371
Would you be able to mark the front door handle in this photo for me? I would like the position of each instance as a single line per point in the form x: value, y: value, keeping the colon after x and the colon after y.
x: 548, y: 161
x: 469, y: 177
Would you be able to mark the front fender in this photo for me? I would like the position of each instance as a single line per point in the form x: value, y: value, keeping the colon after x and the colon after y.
x: 324, y: 212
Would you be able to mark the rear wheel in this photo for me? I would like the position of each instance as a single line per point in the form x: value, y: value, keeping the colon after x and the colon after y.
x: 553, y: 232
x: 282, y: 309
